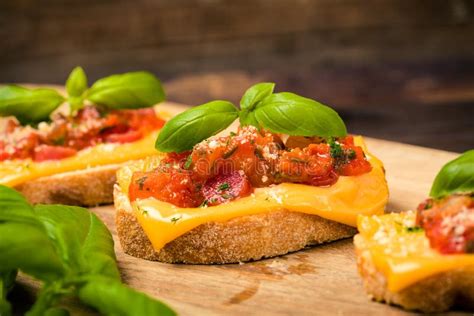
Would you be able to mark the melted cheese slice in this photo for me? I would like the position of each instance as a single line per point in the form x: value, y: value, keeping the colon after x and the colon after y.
x: 402, y: 256
x: 341, y: 202
x: 15, y: 172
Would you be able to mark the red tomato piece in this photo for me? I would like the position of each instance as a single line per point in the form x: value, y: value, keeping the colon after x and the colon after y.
x: 46, y: 152
x: 127, y: 137
x: 224, y: 188
x: 449, y: 223
x: 357, y: 166
x: 170, y: 185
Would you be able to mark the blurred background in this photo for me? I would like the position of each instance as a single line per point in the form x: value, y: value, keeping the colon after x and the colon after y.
x: 395, y: 69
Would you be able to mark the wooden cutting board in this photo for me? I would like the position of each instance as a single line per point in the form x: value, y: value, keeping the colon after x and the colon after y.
x: 321, y: 280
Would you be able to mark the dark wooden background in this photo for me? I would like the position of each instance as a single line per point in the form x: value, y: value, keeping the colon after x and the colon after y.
x: 395, y: 69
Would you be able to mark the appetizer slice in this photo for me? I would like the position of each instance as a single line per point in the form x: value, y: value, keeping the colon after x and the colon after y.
x: 67, y: 150
x: 289, y: 176
x: 424, y: 260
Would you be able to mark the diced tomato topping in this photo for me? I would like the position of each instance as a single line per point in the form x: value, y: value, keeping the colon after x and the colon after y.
x: 449, y: 223
x: 357, y: 166
x: 88, y: 127
x: 45, y: 152
x: 169, y: 185
x: 225, y: 168
x: 224, y: 188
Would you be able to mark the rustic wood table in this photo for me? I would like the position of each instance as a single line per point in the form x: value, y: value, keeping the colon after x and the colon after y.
x: 320, y: 280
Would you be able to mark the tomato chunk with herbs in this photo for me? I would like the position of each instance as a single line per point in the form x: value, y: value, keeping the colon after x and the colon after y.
x: 448, y: 223
x: 170, y: 185
x: 224, y: 188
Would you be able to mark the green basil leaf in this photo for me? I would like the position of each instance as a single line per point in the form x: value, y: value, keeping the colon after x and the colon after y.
x: 292, y: 114
x: 251, y: 98
x: 15, y: 208
x: 111, y: 297
x: 21, y: 237
x: 28, y: 105
x: 76, y: 83
x: 457, y: 176
x: 187, y: 129
x: 83, y: 241
x: 28, y: 248
x: 127, y: 91
x: 255, y: 94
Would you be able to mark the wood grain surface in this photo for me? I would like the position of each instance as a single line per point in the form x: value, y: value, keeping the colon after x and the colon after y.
x: 316, y: 281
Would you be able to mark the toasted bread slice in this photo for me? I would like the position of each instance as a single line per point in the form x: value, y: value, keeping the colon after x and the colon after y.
x: 89, y: 187
x: 245, y: 238
x: 435, y: 293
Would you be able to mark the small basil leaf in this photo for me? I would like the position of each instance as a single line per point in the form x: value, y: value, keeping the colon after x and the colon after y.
x: 127, y: 91
x: 83, y: 241
x: 457, y: 176
x: 251, y: 98
x: 187, y: 129
x: 255, y: 94
x: 28, y: 105
x: 292, y: 114
x: 76, y: 83
x: 111, y: 297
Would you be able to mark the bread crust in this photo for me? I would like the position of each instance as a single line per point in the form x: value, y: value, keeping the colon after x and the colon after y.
x: 241, y: 239
x: 434, y: 294
x: 89, y: 187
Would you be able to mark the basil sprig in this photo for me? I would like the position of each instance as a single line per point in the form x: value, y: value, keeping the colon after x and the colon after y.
x: 124, y: 91
x: 71, y: 251
x: 283, y: 112
x: 457, y: 176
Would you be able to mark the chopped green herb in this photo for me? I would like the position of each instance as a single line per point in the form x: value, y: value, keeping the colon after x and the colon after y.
x: 232, y: 134
x: 230, y: 152
x: 335, y: 149
x: 175, y: 219
x: 227, y: 196
x: 204, y: 203
x: 188, y: 162
x: 258, y: 153
x: 59, y: 140
x: 141, y: 182
x: 413, y: 229
x: 351, y: 154
x: 223, y: 186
